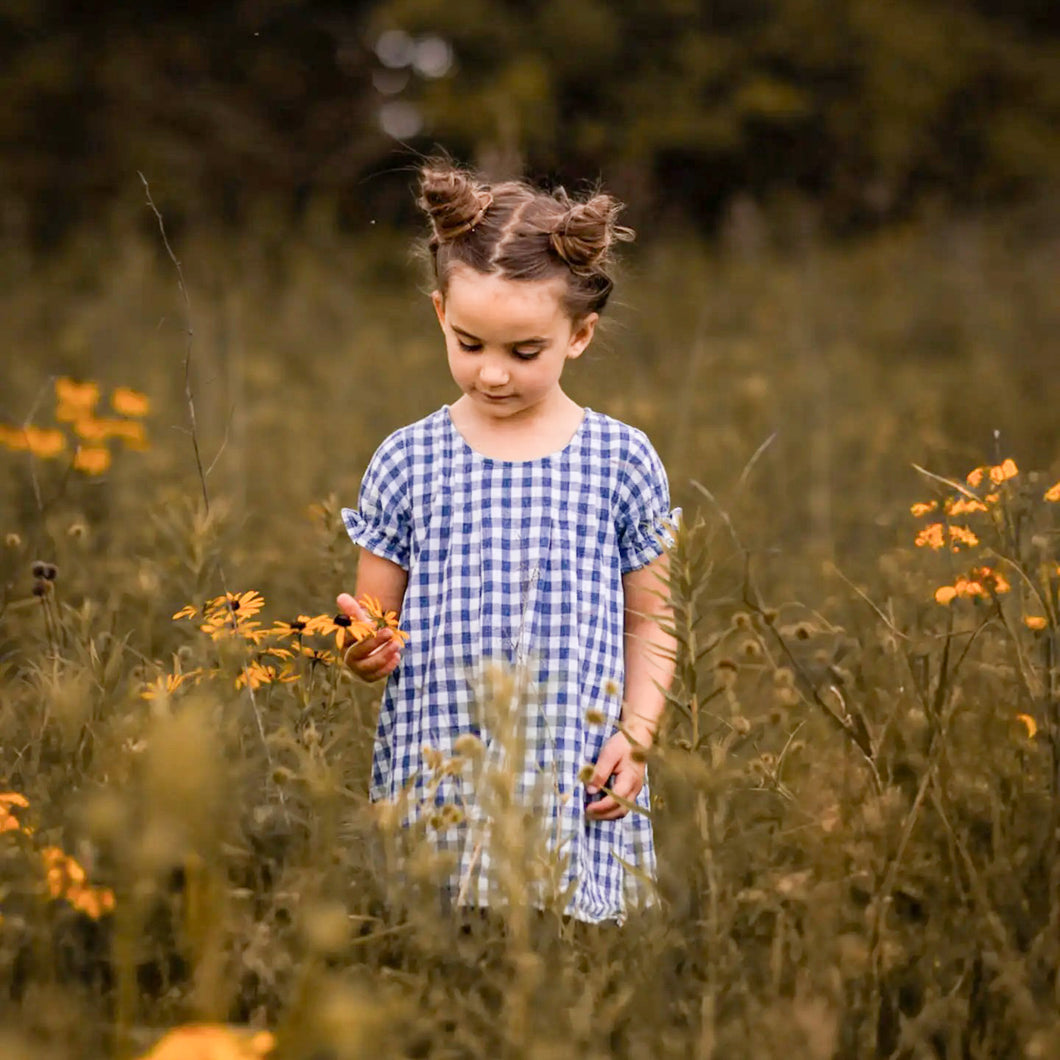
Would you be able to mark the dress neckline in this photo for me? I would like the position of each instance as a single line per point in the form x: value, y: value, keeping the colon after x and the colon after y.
x: 463, y: 442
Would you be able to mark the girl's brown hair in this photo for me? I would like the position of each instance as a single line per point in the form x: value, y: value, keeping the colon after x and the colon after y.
x: 516, y: 231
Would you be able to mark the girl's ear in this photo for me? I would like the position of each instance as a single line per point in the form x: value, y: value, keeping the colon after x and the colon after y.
x: 438, y: 300
x: 582, y: 335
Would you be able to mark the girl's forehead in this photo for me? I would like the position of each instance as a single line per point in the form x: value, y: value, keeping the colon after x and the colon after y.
x: 475, y: 299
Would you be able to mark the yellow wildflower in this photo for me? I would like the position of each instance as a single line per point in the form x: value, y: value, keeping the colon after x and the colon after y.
x: 1004, y: 471
x: 931, y: 536
x: 231, y: 614
x: 945, y: 594
x: 212, y: 1041
x: 167, y: 684
x: 8, y: 821
x: 923, y: 507
x: 975, y: 477
x: 61, y: 871
x: 131, y: 432
x: 302, y: 626
x: 961, y: 535
x: 380, y: 618
x: 187, y: 611
x: 255, y: 674
x: 964, y: 506
x: 1035, y: 621
x: 129, y: 402
x: 100, y: 428
x: 243, y: 605
x: 348, y: 631
x: 1052, y: 493
x: 318, y: 656
x: 14, y: 438
x: 92, y: 901
x: 1029, y: 722
x: 74, y: 400
x: 44, y: 442
x: 993, y: 579
x: 92, y: 459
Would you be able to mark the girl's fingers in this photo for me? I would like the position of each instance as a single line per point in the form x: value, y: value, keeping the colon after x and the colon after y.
x: 350, y: 607
x: 361, y: 649
x: 374, y: 658
x: 627, y: 786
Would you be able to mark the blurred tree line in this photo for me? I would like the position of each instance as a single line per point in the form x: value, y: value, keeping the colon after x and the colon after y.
x: 866, y: 109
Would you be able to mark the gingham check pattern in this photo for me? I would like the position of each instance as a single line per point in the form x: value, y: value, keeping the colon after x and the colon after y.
x: 519, y: 562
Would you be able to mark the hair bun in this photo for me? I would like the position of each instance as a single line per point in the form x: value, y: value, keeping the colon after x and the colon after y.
x: 453, y: 200
x: 585, y: 233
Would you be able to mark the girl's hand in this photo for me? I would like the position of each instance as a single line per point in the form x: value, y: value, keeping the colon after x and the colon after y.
x: 375, y: 657
x: 616, y: 757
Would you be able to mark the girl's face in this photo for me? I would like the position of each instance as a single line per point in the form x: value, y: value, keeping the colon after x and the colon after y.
x: 508, y: 340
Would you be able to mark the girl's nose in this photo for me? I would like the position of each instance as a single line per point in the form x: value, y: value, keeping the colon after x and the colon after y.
x: 492, y: 374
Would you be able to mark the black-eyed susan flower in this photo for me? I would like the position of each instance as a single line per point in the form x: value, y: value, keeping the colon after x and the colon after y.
x: 232, y: 615
x: 347, y: 631
x: 128, y: 402
x: 1004, y: 471
x: 1035, y: 622
x: 1052, y: 493
x: 94, y: 902
x: 922, y: 508
x: 212, y: 1041
x: 45, y: 442
x: 254, y: 675
x: 979, y: 582
x: 380, y: 618
x: 92, y: 459
x: 131, y: 432
x: 13, y: 438
x: 187, y: 611
x: 8, y: 821
x: 302, y: 626
x: 319, y: 656
x: 964, y: 506
x: 74, y: 400
x: 931, y: 536
x: 962, y: 535
x: 167, y: 684
x: 245, y: 604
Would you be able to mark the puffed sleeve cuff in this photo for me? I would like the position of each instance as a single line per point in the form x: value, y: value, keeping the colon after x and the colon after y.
x: 649, y: 540
x: 381, y: 522
x: 377, y: 537
x: 646, y: 522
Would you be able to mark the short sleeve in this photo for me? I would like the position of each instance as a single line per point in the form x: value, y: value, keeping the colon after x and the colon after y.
x: 645, y: 521
x: 382, y: 522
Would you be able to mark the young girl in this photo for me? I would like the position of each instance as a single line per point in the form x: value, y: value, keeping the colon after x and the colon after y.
x: 516, y: 526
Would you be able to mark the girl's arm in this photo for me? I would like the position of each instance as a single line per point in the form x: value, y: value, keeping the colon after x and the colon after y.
x: 377, y: 656
x: 649, y: 649
x: 649, y: 671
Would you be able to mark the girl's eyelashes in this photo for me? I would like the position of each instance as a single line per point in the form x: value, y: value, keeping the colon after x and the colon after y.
x: 522, y: 355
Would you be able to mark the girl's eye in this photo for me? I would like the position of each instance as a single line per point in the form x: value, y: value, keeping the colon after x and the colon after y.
x: 526, y: 355
x: 470, y: 347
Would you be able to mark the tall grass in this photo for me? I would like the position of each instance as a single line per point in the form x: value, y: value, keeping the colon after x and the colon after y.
x: 857, y: 782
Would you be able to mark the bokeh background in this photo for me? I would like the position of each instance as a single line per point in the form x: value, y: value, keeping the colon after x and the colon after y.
x: 846, y: 269
x: 846, y: 216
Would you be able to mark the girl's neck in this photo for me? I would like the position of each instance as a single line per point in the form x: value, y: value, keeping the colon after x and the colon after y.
x: 526, y: 436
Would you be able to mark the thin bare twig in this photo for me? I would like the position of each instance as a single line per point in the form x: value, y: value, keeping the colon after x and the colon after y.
x: 189, y: 335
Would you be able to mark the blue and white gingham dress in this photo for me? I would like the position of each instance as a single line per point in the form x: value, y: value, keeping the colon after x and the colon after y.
x: 517, y: 562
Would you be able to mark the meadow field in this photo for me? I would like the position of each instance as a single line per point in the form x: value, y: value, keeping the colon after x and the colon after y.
x: 858, y: 783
